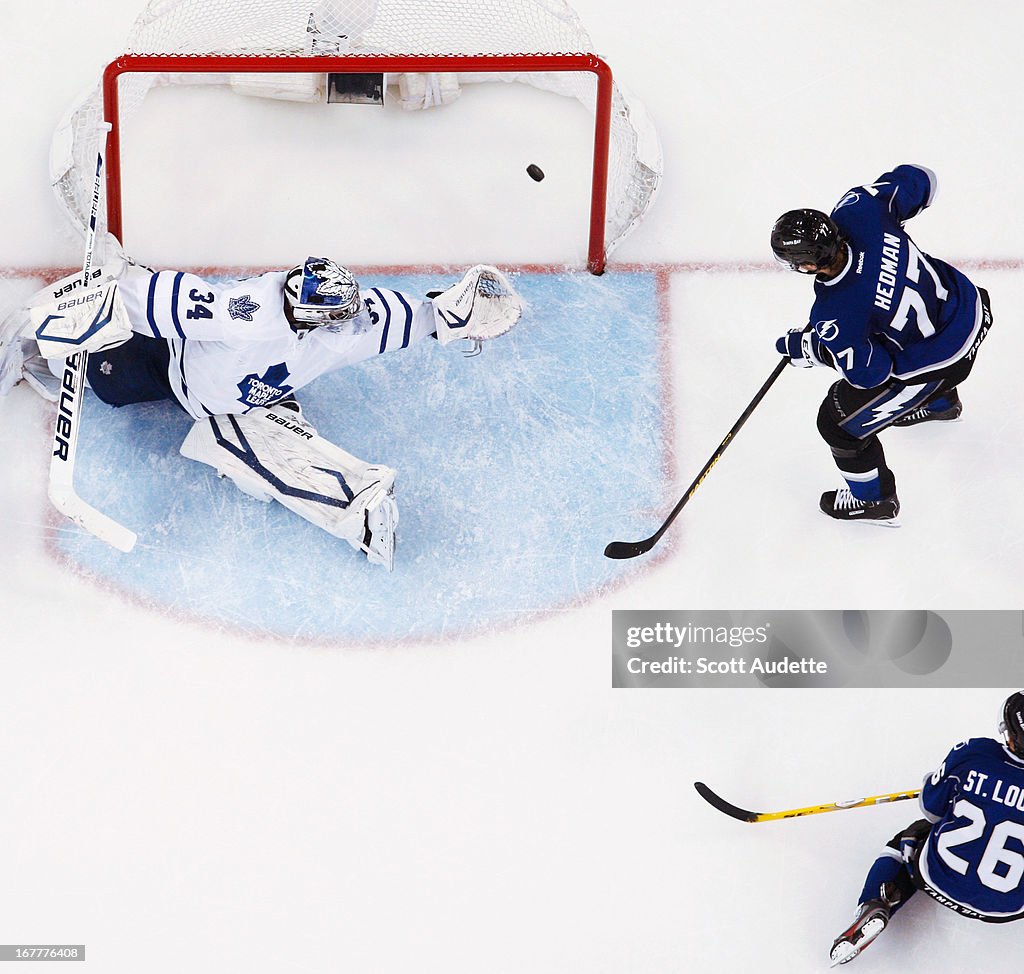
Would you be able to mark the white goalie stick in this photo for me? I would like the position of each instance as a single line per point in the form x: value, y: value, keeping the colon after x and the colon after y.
x: 69, y: 415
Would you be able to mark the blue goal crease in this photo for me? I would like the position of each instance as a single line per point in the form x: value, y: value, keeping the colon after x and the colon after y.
x: 515, y: 469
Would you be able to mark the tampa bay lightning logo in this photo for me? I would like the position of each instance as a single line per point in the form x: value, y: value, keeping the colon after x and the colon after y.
x: 848, y: 200
x: 828, y: 331
x: 264, y: 389
x: 242, y: 308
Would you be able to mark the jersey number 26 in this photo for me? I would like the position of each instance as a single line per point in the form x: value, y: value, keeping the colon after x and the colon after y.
x: 1002, y: 880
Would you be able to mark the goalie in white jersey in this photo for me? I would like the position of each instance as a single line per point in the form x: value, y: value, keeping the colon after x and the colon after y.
x: 232, y: 354
x: 230, y: 347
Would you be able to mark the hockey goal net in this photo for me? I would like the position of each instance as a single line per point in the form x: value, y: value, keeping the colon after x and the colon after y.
x: 427, y: 48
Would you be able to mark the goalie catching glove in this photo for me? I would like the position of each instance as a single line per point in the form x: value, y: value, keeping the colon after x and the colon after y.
x: 483, y: 305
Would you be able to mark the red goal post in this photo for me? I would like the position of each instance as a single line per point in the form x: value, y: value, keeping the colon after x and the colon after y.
x: 155, y: 64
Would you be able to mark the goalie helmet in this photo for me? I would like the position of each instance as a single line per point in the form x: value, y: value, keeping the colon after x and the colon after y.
x: 320, y: 292
x: 802, y: 237
x: 1012, y: 724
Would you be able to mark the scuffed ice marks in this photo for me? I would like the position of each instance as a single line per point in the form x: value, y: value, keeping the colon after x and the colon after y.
x: 512, y: 469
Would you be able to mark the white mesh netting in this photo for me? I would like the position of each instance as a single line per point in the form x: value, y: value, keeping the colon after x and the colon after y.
x: 379, y: 27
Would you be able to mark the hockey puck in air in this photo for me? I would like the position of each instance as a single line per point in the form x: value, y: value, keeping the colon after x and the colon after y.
x: 535, y: 172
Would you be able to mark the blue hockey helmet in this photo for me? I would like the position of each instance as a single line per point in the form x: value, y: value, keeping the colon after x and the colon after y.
x: 802, y: 237
x: 320, y: 292
x: 1012, y: 724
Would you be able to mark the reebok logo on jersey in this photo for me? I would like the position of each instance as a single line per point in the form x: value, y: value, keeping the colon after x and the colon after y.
x: 242, y: 308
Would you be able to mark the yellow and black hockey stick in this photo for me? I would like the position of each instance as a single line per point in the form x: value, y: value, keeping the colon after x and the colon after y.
x: 630, y: 549
x: 840, y: 806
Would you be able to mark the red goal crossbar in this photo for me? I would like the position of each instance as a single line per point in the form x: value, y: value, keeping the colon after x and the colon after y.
x: 366, y: 64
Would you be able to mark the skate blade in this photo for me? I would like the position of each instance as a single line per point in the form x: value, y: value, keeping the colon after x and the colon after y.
x: 892, y: 522
x: 844, y: 952
x: 930, y: 422
x: 840, y: 956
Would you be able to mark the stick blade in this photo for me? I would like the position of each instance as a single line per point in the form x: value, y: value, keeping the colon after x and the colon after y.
x: 95, y: 522
x: 620, y: 550
x: 722, y: 805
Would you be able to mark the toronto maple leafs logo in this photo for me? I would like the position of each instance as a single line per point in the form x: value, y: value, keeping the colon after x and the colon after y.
x: 264, y: 389
x: 327, y: 283
x: 333, y: 278
x: 242, y: 308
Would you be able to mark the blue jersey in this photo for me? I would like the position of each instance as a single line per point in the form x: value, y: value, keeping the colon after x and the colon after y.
x: 893, y: 311
x: 974, y: 854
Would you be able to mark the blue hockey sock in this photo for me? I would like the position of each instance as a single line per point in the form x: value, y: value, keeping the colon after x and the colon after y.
x: 886, y: 869
x: 941, y: 403
x: 869, y: 489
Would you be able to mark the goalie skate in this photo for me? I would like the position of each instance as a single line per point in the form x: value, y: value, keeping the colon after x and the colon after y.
x: 380, y: 522
x: 872, y: 918
x: 273, y: 454
x: 39, y: 377
x: 12, y: 350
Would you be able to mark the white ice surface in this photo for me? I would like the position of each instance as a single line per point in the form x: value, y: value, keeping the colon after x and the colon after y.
x: 180, y: 798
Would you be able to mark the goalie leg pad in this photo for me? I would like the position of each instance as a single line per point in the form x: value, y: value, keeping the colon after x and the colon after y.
x: 273, y: 454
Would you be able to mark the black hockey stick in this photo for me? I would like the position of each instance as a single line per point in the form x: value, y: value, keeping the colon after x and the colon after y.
x: 630, y: 549
x: 840, y: 806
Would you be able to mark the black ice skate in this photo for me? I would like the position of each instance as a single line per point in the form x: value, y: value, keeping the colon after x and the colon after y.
x: 841, y: 504
x: 926, y: 414
x: 872, y: 918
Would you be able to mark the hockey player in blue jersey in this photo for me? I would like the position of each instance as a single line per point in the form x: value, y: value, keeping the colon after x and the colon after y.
x: 902, y: 328
x: 967, y: 852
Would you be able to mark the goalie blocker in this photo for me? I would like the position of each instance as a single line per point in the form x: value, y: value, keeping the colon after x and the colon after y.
x: 271, y: 453
x: 89, y: 320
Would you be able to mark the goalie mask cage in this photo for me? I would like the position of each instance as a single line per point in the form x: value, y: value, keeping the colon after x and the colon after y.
x: 538, y: 42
